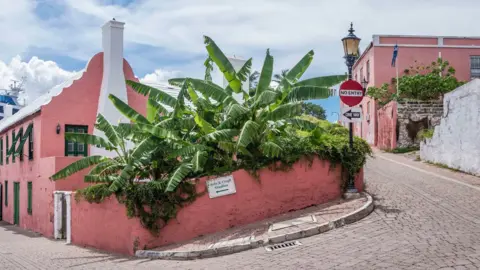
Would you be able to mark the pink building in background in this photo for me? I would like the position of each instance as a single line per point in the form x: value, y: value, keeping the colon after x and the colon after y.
x: 374, y: 65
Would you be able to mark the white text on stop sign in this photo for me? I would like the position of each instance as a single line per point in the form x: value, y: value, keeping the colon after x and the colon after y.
x: 351, y: 93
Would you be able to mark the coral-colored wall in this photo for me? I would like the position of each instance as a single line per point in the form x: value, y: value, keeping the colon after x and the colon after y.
x: 409, y: 40
x: 278, y: 192
x: 76, y: 105
x: 36, y: 171
x: 387, y: 126
x: 459, y: 58
x: 367, y: 128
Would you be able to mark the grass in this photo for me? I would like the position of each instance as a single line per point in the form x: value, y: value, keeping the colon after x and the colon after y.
x: 425, y: 133
x: 402, y: 150
x: 444, y: 166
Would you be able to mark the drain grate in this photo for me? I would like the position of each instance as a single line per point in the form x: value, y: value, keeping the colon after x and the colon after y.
x: 283, y: 245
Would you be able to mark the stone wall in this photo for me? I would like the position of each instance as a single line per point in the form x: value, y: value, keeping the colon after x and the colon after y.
x: 455, y: 140
x: 412, y: 116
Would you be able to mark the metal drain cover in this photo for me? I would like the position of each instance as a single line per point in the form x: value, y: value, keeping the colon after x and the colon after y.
x: 283, y: 245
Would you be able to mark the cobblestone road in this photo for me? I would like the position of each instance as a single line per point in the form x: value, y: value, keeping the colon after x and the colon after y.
x: 423, y: 220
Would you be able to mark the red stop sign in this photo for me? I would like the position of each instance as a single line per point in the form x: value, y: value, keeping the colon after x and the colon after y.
x: 351, y: 93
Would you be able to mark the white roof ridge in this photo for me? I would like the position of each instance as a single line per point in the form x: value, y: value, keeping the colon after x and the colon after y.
x: 42, y: 100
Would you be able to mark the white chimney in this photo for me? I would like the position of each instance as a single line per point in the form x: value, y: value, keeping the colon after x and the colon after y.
x: 113, y: 81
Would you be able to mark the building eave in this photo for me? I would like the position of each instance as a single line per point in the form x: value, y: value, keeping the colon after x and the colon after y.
x: 370, y: 46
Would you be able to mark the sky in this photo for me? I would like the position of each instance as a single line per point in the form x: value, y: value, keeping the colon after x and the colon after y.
x: 46, y: 41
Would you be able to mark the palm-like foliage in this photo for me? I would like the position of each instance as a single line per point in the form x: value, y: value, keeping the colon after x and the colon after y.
x: 174, y: 141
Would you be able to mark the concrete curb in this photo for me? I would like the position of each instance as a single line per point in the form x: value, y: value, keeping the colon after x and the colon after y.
x: 218, y: 250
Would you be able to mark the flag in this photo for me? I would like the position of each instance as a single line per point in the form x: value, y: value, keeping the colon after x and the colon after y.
x: 395, y: 54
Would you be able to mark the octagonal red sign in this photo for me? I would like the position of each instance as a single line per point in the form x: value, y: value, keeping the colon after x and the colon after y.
x: 351, y: 92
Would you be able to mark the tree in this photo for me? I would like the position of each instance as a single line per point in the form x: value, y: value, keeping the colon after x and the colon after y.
x: 314, y: 110
x: 217, y: 134
x: 419, y: 82
x: 253, y: 79
x: 279, y: 77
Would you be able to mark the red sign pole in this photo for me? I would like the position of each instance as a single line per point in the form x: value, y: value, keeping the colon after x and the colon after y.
x: 351, y: 93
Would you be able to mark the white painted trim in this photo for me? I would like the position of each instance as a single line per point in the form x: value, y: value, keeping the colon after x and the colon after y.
x: 430, y: 173
x: 57, y: 214
x: 68, y: 199
x: 427, y: 36
x: 429, y: 46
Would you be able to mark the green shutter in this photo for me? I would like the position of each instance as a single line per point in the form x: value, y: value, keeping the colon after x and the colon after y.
x: 75, y: 148
x: 1, y: 151
x: 12, y: 150
x: 6, y: 193
x: 29, y: 208
x: 6, y: 149
x: 30, y: 142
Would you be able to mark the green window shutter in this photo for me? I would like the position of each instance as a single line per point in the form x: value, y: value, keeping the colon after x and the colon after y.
x: 1, y: 151
x: 6, y: 193
x: 29, y: 208
x: 30, y: 143
x: 12, y: 150
x: 75, y: 148
x: 7, y: 151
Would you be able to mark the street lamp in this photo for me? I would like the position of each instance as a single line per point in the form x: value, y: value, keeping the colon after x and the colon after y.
x: 338, y: 116
x: 364, y: 83
x: 351, y: 49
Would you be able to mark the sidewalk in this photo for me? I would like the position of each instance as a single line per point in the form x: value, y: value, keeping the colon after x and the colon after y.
x: 286, y: 227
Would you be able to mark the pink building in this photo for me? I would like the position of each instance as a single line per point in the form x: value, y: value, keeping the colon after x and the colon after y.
x: 27, y: 192
x: 374, y: 65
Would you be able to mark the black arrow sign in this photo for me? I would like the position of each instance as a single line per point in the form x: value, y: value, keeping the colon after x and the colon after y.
x: 350, y: 115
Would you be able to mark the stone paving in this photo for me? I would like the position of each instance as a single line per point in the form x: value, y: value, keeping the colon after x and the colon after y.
x: 421, y: 221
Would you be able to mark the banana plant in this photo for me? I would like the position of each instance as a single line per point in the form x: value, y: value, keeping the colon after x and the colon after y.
x: 116, y: 171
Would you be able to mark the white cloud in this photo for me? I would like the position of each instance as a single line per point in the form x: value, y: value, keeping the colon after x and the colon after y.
x: 160, y: 76
x: 247, y: 28
x: 37, y: 75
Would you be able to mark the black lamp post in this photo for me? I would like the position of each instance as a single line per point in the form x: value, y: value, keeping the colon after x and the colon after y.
x: 351, y: 50
x: 350, y: 47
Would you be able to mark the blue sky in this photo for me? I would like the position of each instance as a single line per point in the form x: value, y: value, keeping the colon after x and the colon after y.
x: 46, y: 40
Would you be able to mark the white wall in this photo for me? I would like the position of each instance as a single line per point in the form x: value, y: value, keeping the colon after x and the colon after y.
x: 456, y: 142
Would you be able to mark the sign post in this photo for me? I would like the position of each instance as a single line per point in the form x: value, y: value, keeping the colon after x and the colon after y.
x: 351, y: 94
x: 351, y: 115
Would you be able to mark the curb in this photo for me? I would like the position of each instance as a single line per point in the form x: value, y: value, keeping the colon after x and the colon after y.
x: 218, y: 250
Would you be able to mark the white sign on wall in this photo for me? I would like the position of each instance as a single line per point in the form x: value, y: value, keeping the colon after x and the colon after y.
x: 221, y: 186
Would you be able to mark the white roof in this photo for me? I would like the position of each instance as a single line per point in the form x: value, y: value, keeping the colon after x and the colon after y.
x: 36, y: 105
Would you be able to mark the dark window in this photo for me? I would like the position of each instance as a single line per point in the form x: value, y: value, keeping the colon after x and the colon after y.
x: 6, y: 193
x: 14, y: 111
x: 74, y: 148
x: 1, y: 151
x: 474, y: 67
x: 6, y: 149
x: 12, y: 150
x: 29, y: 208
x: 368, y: 70
x: 1, y: 108
x: 30, y: 145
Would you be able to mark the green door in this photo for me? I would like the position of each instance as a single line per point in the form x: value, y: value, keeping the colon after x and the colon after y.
x: 16, y: 203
